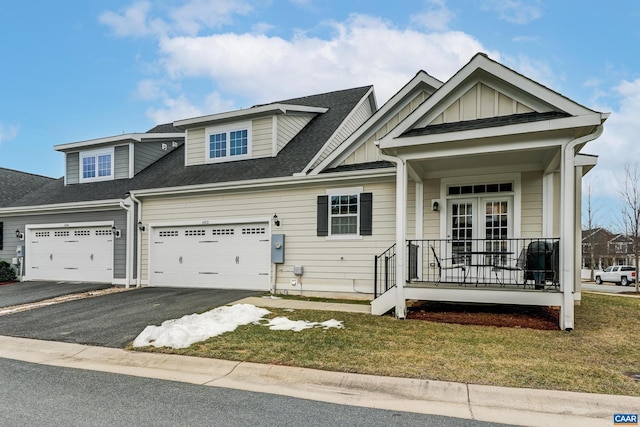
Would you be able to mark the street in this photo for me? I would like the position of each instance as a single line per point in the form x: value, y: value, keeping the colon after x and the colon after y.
x: 32, y: 394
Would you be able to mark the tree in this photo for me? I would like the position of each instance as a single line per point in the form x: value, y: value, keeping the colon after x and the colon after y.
x: 590, y: 223
x: 629, y: 191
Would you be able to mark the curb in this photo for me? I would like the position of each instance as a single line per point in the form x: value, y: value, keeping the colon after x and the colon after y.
x: 486, y: 403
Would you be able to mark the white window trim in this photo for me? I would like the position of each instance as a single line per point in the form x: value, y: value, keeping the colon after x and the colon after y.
x: 343, y: 192
x: 227, y: 129
x: 95, y: 153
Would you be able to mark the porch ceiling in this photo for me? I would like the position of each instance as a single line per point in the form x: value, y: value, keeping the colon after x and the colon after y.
x: 451, y: 164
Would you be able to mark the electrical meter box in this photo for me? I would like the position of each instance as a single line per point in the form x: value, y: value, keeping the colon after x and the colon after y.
x: 19, y: 252
x: 277, y: 248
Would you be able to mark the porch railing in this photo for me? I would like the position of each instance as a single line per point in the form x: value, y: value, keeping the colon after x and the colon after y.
x: 532, y: 262
x: 384, y: 275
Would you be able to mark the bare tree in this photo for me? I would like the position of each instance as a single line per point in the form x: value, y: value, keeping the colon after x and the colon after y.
x: 629, y: 191
x: 590, y: 220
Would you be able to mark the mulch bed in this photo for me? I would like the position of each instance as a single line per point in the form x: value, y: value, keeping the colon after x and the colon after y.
x: 7, y: 283
x: 503, y: 316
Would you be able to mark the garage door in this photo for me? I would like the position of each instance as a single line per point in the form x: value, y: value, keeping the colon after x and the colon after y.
x: 72, y: 254
x: 231, y: 256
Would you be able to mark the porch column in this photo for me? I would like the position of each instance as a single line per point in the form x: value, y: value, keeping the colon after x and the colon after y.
x: 401, y: 235
x: 567, y: 235
x: 419, y: 222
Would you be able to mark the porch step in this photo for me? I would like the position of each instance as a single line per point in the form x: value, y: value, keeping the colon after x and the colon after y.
x: 384, y: 302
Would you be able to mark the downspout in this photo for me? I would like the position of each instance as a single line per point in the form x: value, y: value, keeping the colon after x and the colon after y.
x: 401, y: 196
x: 129, y: 244
x: 138, y: 241
x: 567, y: 226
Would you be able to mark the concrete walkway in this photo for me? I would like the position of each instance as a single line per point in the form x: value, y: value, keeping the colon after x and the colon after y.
x: 486, y: 403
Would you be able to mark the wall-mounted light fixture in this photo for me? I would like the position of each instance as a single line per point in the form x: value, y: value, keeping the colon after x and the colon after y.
x: 141, y: 227
x: 19, y: 235
x: 435, y: 206
x: 116, y: 232
x: 276, y: 221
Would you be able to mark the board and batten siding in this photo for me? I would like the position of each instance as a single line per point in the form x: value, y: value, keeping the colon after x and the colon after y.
x: 479, y: 102
x: 330, y: 265
x: 289, y: 125
x: 121, y: 162
x: 118, y: 216
x: 73, y: 168
x: 262, y: 137
x: 531, y: 209
x: 368, y: 152
x: 351, y: 124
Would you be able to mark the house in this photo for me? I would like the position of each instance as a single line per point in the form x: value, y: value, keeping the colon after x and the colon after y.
x: 606, y: 249
x: 77, y: 228
x: 465, y: 191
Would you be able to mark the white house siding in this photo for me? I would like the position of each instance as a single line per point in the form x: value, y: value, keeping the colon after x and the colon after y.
x: 481, y: 101
x: 262, y: 137
x: 121, y: 162
x: 289, y: 125
x: 431, y: 224
x: 368, y: 152
x: 194, y: 150
x: 353, y: 122
x: 330, y: 265
x: 73, y: 168
x: 531, y: 204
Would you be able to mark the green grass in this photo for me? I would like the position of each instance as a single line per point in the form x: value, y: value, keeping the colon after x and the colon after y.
x: 594, y: 358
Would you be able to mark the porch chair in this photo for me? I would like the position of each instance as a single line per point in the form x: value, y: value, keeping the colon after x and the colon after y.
x: 519, y: 265
x: 453, y: 266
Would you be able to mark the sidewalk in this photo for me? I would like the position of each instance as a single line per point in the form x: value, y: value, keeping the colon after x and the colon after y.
x: 484, y: 403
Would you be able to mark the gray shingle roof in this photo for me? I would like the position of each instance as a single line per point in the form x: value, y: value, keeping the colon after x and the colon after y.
x: 169, y: 171
x: 15, y: 185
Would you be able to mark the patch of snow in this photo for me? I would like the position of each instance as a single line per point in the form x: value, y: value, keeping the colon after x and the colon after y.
x: 192, y: 328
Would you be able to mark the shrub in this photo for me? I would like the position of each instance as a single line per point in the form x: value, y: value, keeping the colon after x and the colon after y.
x: 7, y: 273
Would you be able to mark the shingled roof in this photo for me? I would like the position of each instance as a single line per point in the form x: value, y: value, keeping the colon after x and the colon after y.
x: 170, y: 171
x: 15, y: 185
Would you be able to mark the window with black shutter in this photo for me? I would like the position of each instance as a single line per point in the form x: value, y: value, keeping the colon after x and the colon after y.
x: 347, y: 214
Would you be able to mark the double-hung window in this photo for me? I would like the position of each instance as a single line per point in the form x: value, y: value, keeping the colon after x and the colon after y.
x: 229, y: 142
x: 96, y: 165
x: 344, y: 213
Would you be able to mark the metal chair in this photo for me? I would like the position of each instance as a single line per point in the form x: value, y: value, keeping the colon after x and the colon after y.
x: 453, y: 266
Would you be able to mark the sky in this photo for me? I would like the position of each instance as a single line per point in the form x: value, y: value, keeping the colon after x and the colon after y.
x: 193, y: 328
x: 78, y: 70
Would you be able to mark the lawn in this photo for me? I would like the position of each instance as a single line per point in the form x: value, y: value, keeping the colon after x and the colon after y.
x: 596, y: 357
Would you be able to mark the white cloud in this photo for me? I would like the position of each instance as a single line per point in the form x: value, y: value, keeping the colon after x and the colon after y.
x: 436, y: 18
x: 362, y: 50
x: 132, y: 22
x: 7, y: 132
x: 516, y: 11
x: 173, y: 109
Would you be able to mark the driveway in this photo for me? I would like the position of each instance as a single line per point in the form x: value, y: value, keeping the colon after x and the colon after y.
x: 28, y: 292
x: 114, y: 320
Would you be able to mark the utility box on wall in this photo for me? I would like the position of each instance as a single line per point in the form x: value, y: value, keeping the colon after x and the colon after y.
x: 277, y: 248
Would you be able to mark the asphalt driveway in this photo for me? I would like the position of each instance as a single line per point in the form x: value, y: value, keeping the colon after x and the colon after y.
x: 28, y: 292
x: 114, y: 320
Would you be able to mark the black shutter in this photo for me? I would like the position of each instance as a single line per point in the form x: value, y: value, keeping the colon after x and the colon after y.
x: 323, y: 216
x: 366, y: 214
x: 1, y: 235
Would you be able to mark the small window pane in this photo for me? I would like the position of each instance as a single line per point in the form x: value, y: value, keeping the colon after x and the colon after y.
x: 238, y: 142
x: 104, y: 165
x: 89, y: 167
x: 218, y: 145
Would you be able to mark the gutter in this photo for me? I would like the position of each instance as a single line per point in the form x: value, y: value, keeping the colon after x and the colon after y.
x: 29, y: 210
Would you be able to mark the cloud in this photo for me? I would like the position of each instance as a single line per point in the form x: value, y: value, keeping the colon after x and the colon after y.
x: 7, y: 132
x: 361, y: 50
x: 436, y: 18
x: 515, y: 11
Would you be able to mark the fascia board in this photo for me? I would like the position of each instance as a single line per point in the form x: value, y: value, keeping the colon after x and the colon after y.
x: 390, y: 108
x: 75, y: 206
x: 248, y: 113
x: 116, y: 138
x: 365, y: 98
x: 264, y: 183
x: 593, y: 119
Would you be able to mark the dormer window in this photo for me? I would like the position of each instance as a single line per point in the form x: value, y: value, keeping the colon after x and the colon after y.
x: 228, y: 142
x: 96, y: 165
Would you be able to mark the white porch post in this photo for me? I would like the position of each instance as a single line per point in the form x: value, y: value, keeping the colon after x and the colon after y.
x: 567, y: 235
x: 401, y: 227
x: 419, y: 222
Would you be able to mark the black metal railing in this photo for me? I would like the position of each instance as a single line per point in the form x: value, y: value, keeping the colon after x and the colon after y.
x: 384, y: 275
x: 532, y: 262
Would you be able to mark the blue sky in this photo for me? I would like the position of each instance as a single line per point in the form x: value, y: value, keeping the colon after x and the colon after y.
x: 73, y: 71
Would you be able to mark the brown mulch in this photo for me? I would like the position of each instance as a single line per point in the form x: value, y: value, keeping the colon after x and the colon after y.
x: 503, y: 316
x: 7, y: 283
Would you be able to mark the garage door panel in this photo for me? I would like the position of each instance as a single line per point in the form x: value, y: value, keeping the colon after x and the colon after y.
x: 75, y: 254
x: 228, y: 256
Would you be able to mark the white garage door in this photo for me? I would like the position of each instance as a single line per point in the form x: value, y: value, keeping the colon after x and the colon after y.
x: 70, y: 253
x: 233, y: 256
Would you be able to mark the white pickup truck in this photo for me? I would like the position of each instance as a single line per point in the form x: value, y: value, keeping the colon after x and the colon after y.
x: 618, y: 274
